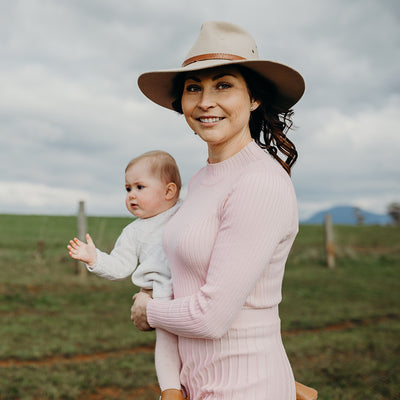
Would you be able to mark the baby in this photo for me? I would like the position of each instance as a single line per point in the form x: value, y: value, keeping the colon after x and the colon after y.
x: 153, y: 184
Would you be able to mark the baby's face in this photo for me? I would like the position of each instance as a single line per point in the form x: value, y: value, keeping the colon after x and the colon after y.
x: 146, y: 193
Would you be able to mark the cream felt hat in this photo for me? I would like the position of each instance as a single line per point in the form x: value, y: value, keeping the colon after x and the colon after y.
x: 223, y: 43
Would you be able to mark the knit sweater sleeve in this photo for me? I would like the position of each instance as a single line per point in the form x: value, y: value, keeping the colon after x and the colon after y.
x: 257, y: 215
x: 122, y: 260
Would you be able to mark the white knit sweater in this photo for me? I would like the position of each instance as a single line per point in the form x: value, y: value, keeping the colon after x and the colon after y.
x: 138, y: 252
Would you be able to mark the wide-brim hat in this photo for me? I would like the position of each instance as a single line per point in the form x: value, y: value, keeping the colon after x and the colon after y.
x: 219, y: 44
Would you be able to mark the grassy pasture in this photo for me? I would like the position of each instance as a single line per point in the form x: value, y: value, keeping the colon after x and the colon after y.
x: 62, y: 337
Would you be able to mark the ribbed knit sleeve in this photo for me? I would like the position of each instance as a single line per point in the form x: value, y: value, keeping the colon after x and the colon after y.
x: 257, y: 223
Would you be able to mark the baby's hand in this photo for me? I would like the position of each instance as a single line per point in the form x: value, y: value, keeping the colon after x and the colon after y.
x: 82, y: 251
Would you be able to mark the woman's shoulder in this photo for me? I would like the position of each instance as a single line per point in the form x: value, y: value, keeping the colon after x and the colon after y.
x: 265, y: 172
x: 197, y: 176
x: 266, y: 167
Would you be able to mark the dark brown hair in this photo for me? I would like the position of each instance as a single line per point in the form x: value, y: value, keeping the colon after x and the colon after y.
x: 268, y: 123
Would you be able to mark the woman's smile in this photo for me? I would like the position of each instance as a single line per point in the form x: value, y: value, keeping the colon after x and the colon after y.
x: 206, y: 120
x: 210, y: 122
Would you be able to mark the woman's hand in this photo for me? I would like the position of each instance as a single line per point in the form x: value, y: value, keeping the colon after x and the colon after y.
x: 139, y: 310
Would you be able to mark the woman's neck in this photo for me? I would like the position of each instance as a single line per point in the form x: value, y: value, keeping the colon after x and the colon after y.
x: 222, y: 151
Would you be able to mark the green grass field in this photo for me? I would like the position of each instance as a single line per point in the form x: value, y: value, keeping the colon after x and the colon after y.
x: 67, y: 337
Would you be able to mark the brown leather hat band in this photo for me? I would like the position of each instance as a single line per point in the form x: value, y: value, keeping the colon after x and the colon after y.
x: 212, y: 56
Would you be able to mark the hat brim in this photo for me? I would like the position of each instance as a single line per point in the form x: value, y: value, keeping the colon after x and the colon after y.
x: 157, y: 85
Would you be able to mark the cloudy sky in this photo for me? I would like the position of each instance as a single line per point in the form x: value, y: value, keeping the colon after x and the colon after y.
x: 71, y: 115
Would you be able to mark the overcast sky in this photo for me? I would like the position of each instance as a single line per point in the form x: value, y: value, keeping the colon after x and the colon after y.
x: 72, y: 116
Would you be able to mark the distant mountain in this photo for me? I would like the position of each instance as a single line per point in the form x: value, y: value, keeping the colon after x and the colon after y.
x: 347, y: 215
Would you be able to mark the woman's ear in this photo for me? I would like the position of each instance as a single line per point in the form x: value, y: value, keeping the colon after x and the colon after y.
x: 254, y: 104
x: 170, y: 191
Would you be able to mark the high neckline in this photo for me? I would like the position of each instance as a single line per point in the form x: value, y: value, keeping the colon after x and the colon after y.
x: 215, y: 171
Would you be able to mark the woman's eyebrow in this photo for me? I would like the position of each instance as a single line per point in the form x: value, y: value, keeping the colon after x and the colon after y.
x: 221, y: 75
x: 193, y: 78
x: 218, y: 76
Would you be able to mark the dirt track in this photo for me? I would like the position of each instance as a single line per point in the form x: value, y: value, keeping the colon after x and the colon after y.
x: 80, y: 358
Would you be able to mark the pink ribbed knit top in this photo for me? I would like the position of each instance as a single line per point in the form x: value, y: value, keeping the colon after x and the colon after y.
x: 227, y: 246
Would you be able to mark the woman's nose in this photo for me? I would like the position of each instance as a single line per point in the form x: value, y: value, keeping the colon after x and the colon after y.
x: 207, y: 99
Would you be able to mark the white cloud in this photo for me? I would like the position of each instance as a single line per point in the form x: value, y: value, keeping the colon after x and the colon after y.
x: 349, y: 158
x: 72, y: 115
x: 23, y: 197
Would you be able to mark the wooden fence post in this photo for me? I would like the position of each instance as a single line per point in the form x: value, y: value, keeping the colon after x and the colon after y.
x: 329, y: 242
x: 82, y: 229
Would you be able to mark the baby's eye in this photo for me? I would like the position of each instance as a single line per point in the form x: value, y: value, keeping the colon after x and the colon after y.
x: 140, y: 187
x: 128, y: 189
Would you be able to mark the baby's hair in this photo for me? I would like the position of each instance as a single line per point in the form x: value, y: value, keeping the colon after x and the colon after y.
x: 161, y: 164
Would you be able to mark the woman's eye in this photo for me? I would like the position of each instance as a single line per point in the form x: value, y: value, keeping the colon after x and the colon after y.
x: 224, y: 85
x: 192, y: 88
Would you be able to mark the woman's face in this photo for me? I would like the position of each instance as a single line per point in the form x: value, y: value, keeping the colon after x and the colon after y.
x: 216, y: 104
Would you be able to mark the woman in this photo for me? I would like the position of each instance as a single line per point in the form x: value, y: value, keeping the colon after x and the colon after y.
x: 228, y: 244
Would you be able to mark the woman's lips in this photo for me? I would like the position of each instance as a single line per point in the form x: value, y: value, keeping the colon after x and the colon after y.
x: 208, y: 120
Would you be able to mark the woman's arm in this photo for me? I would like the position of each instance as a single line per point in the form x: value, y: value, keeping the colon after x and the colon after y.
x: 258, y: 215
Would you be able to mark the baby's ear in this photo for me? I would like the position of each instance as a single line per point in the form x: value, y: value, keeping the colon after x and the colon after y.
x: 170, y: 191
